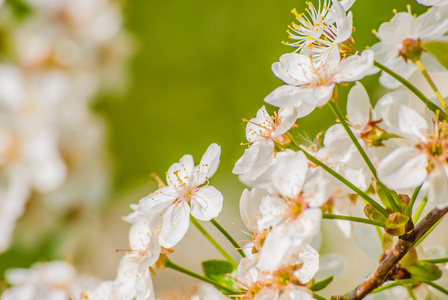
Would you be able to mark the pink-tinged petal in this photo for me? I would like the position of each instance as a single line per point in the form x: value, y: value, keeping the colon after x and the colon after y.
x: 438, y: 186
x: 208, y: 165
x: 292, y: 69
x: 289, y: 174
x: 157, y: 201
x: 250, y: 207
x: 176, y: 221
x: 355, y: 67
x: 180, y: 172
x: 256, y: 159
x: 206, y: 203
x: 358, y: 105
x: 403, y: 168
x: 287, y: 95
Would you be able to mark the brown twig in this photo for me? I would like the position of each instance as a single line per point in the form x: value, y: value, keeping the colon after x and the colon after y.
x: 404, y: 244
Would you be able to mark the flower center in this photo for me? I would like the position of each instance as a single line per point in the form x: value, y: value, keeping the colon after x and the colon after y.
x: 296, y: 206
x: 258, y: 240
x: 411, y: 49
x: 312, y: 32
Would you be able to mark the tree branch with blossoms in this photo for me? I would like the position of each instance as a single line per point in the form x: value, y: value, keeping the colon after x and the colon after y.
x: 403, y: 246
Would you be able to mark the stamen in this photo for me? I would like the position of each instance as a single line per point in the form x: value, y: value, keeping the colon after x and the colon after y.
x: 157, y: 178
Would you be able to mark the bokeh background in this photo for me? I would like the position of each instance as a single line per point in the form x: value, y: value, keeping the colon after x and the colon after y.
x: 199, y: 68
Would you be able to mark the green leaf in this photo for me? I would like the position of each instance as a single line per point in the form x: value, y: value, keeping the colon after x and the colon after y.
x: 409, y: 259
x: 396, y: 220
x: 388, y: 241
x: 373, y: 214
x: 219, y: 270
x: 383, y: 197
x: 320, y: 285
x: 424, y: 271
x: 397, y: 199
x: 397, y: 224
x: 439, y: 50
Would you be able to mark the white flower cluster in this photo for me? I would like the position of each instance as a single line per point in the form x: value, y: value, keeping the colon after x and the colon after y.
x: 62, y: 54
x: 385, y: 154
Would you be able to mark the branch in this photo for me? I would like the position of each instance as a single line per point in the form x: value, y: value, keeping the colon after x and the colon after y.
x: 404, y: 244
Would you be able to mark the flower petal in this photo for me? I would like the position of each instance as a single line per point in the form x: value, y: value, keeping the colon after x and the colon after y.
x: 403, y: 168
x: 358, y: 105
x: 206, y: 203
x: 208, y: 165
x: 176, y: 221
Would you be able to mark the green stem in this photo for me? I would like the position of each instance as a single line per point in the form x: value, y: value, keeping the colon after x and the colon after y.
x: 437, y: 287
x: 393, y: 284
x: 419, y: 210
x: 171, y: 265
x: 354, y: 219
x: 431, y: 106
x: 228, y: 236
x: 437, y: 260
x: 411, y: 294
x: 361, y: 151
x: 428, y: 232
x: 408, y: 210
x: 380, y: 233
x: 213, y: 242
x: 336, y: 175
x: 318, y: 297
x: 422, y: 69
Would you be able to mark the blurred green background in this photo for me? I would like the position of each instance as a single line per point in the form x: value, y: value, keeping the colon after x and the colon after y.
x: 199, y: 69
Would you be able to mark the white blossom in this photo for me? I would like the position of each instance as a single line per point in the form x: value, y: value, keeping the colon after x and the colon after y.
x: 320, y: 30
x: 313, y: 82
x: 185, y: 194
x: 405, y: 28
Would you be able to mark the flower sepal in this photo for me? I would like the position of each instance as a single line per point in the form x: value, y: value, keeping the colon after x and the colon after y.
x: 398, y: 224
x: 373, y: 214
x: 161, y: 263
